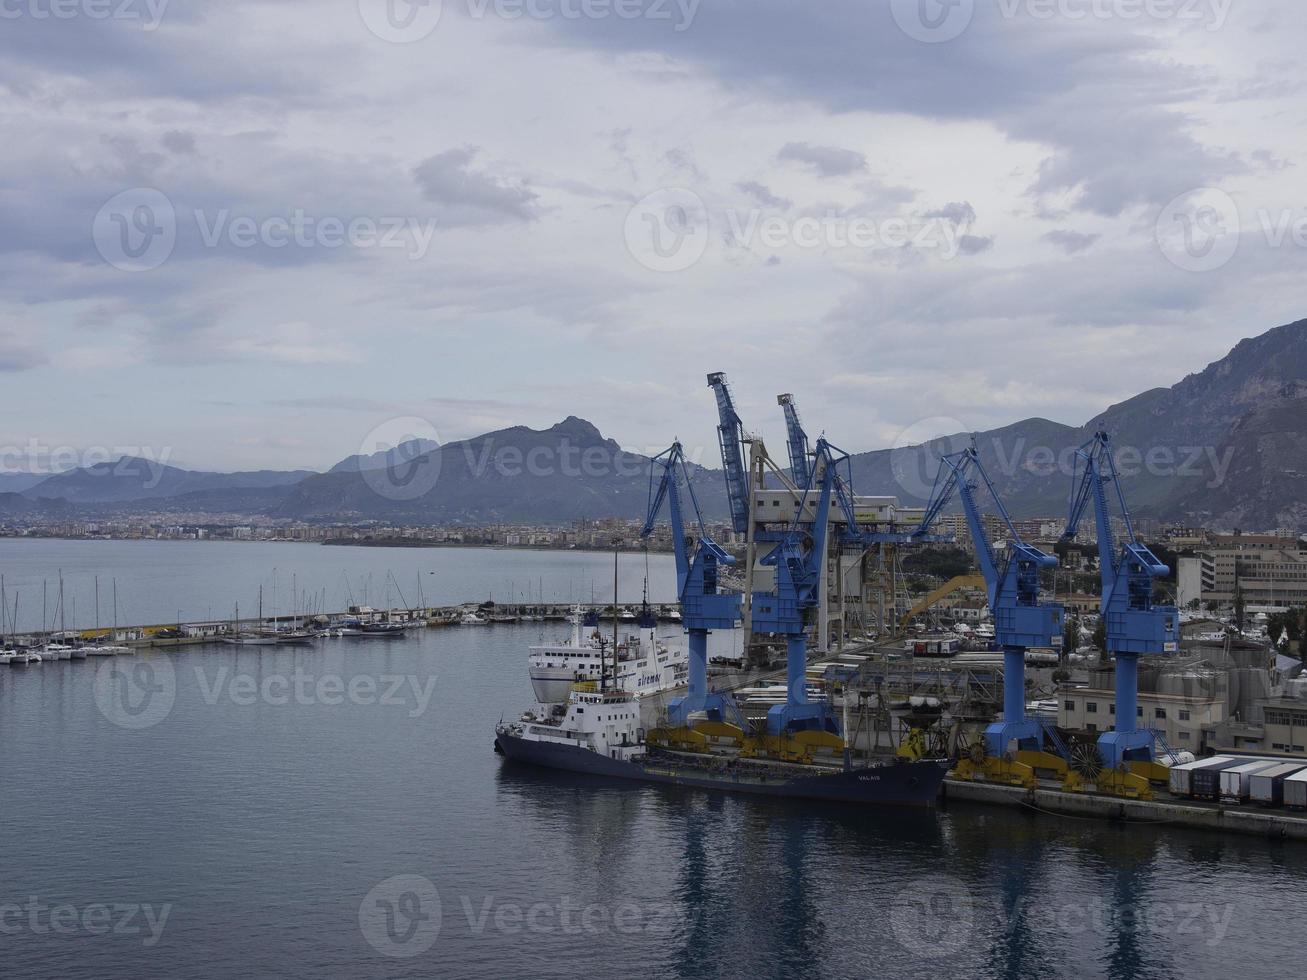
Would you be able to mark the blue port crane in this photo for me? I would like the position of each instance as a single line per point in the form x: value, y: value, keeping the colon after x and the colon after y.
x: 703, y: 607
x: 1134, y: 626
x: 796, y: 440
x: 731, y: 439
x: 1021, y: 620
x: 799, y: 560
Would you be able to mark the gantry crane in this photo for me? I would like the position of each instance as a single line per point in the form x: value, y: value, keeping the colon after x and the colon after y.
x: 1132, y: 624
x: 1014, y: 747
x: 703, y: 607
x: 799, y: 561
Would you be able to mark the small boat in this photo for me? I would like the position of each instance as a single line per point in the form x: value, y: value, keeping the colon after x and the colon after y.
x: 382, y: 629
x: 105, y: 650
x: 250, y: 640
x: 56, y: 651
x: 77, y: 653
x: 472, y: 619
x: 22, y: 658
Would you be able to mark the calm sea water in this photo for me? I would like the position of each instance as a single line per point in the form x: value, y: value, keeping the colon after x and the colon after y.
x: 337, y: 811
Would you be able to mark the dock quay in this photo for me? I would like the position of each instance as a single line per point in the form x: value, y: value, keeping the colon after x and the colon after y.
x: 1046, y: 799
x: 469, y: 614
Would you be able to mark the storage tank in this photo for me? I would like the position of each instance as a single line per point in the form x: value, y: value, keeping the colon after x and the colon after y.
x: 1234, y: 782
x: 1182, y: 775
x: 1205, y: 782
x: 1266, y: 788
x: 1295, y: 791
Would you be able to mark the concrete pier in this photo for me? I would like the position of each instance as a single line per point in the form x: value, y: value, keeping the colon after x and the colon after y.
x: 1201, y: 816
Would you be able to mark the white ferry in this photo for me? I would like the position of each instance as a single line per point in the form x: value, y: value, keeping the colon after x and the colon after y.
x: 645, y: 666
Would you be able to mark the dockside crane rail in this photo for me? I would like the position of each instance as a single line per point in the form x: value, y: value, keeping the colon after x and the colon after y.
x: 1021, y: 619
x: 731, y: 438
x: 1132, y: 624
x: 796, y: 440
x: 703, y: 607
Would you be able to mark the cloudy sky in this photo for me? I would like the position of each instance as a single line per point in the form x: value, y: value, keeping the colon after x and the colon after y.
x: 248, y: 234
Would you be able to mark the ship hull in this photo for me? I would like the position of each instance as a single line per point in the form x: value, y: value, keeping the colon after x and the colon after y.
x: 913, y: 784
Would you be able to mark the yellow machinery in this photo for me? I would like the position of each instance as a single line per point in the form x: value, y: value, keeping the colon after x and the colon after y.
x: 1154, y: 772
x: 680, y: 738
x: 972, y: 580
x: 800, y: 746
x: 1087, y: 770
x: 975, y: 764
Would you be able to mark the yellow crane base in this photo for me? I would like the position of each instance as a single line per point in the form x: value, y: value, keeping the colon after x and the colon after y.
x: 681, y: 738
x: 1043, y: 761
x: 996, y: 770
x: 1154, y: 772
x: 801, y: 746
x: 1111, y: 782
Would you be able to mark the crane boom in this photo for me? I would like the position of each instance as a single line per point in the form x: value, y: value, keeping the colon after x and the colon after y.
x: 796, y: 440
x: 731, y: 439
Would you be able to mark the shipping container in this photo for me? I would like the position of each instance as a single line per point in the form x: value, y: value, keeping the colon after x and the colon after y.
x: 1267, y: 787
x: 1205, y: 783
x: 1234, y: 782
x: 1182, y: 774
x: 1295, y: 791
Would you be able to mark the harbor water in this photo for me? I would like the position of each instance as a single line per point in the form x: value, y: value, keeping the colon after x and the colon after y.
x: 336, y: 810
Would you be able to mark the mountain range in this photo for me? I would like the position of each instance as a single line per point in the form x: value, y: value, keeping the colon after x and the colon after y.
x: 1226, y: 447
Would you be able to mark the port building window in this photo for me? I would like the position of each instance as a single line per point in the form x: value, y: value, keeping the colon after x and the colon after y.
x: 1091, y: 707
x: 1070, y: 706
x: 1159, y: 713
x: 1111, y: 709
x: 1184, y: 715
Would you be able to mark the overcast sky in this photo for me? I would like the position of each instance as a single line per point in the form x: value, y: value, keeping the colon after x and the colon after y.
x: 917, y: 217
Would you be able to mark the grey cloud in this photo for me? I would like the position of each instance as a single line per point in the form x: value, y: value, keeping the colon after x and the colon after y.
x: 19, y: 353
x: 471, y: 197
x: 828, y: 161
x: 1071, y: 242
x: 179, y: 142
x: 975, y: 244
x: 763, y: 195
x: 960, y: 214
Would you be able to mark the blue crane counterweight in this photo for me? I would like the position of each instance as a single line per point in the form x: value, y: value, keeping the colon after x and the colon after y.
x: 703, y: 608
x: 1132, y: 624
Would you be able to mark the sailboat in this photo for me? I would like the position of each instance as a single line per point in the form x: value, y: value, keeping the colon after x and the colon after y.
x: 249, y: 639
